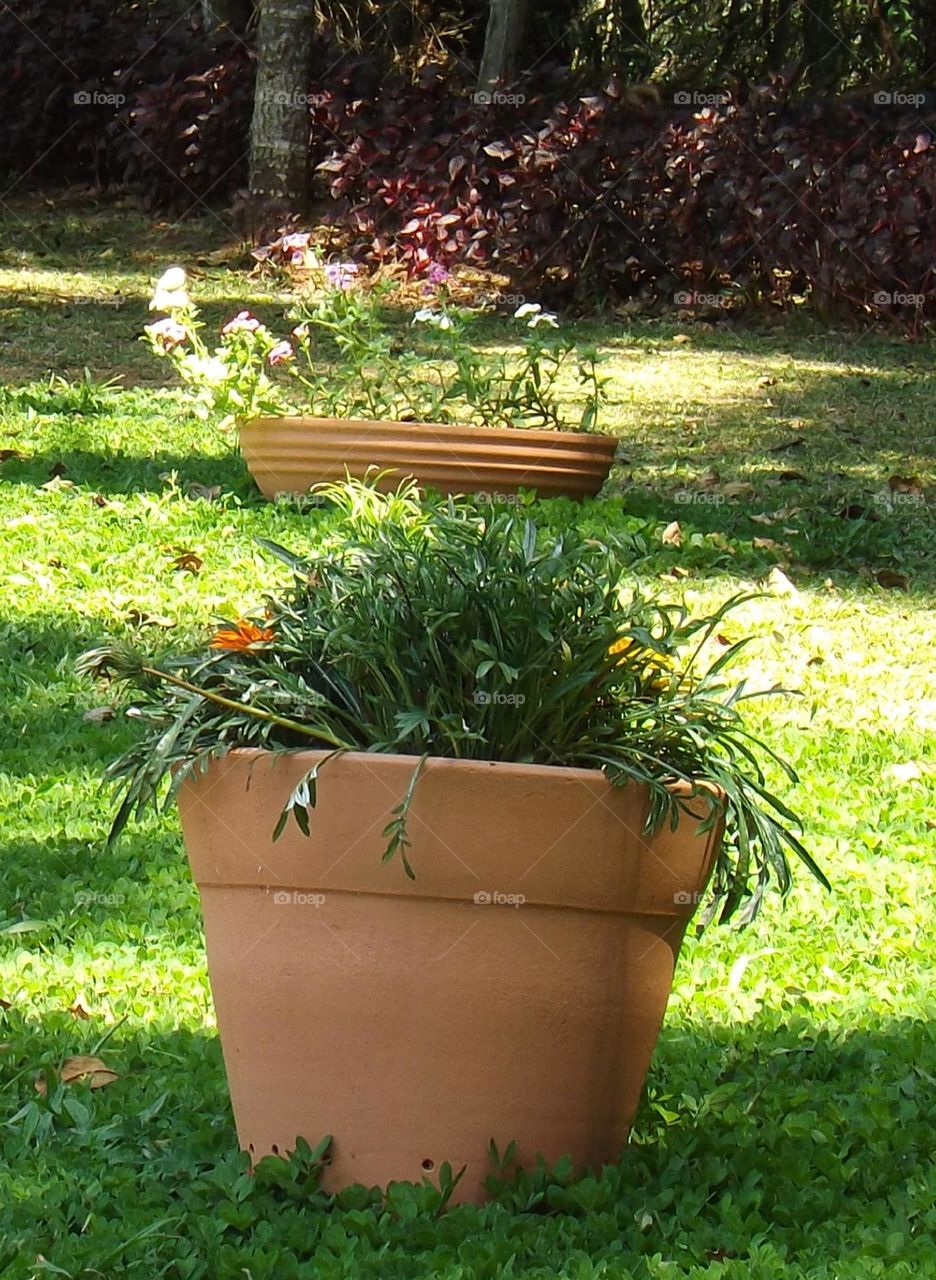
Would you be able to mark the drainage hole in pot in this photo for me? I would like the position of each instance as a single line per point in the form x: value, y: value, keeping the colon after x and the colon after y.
x: 275, y: 1149
x: 428, y: 1165
x: 251, y: 1148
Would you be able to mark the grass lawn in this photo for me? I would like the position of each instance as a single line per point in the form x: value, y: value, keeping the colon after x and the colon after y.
x: 789, y: 1125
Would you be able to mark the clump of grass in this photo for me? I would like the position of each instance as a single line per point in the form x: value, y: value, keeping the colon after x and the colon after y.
x: 58, y: 396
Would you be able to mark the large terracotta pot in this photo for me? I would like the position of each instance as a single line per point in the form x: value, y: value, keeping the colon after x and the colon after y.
x: 290, y: 455
x: 513, y: 991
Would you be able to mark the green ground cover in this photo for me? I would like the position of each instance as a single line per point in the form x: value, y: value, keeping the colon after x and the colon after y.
x: 788, y: 1126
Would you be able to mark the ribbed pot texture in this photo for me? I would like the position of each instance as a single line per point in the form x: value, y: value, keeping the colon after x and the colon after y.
x: 513, y: 991
x: 290, y: 455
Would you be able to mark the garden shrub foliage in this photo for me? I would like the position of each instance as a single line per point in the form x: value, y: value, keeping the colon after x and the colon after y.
x: 435, y: 629
x: 118, y: 93
x: 761, y: 195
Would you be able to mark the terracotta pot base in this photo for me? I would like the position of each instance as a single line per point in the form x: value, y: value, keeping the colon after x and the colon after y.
x: 514, y: 991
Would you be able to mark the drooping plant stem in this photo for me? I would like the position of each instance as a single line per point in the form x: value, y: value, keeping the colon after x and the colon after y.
x: 310, y: 731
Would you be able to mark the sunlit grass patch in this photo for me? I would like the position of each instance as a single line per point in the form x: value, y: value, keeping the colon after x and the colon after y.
x: 788, y: 1127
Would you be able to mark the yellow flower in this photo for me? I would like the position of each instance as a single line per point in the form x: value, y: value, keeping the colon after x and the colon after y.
x: 656, y: 666
x: 621, y: 645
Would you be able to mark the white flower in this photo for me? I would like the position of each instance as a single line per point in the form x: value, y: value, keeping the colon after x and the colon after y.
x: 209, y: 369
x: 172, y: 280
x: 170, y: 292
x: 175, y: 301
x: 436, y: 318
x: 543, y: 317
x: 214, y: 371
x: 527, y: 309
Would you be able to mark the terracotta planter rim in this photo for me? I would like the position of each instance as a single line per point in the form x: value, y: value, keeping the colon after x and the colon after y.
x: 679, y: 788
x: 370, y: 424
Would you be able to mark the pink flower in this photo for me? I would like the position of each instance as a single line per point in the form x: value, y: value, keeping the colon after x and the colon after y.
x: 340, y: 275
x: 296, y: 246
x: 282, y: 353
x: 168, y: 333
x: 438, y: 274
x: 243, y: 322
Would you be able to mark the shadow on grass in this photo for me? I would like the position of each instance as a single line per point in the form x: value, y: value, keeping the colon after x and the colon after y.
x: 113, y: 474
x: 808, y: 1139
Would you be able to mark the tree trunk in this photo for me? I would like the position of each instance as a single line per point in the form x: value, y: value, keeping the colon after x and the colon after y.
x: 218, y: 14
x: 279, y: 132
x: 501, y: 42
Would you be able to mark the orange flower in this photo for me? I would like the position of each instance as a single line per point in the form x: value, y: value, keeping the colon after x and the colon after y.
x: 241, y: 635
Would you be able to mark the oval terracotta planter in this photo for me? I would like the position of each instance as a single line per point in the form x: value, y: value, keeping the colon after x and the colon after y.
x: 513, y: 991
x: 290, y: 455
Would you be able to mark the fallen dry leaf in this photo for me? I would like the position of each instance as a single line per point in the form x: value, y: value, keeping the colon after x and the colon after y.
x: 140, y: 618
x: 7, y: 455
x: 188, y: 562
x: 764, y: 518
x: 766, y: 544
x: 709, y: 479
x: 78, y: 1068
x: 77, y: 1010
x: 719, y: 540
x: 738, y: 489
x: 672, y: 535
x: 855, y: 511
x: 904, y: 484
x: 207, y: 491
x: 681, y: 339
x: 98, y: 715
x: 780, y: 584
x: 57, y: 484
x: 894, y: 581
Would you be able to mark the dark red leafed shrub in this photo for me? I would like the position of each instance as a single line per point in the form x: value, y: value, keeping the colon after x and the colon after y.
x: 187, y: 135
x: 64, y: 82
x: 113, y: 92
x: 759, y: 197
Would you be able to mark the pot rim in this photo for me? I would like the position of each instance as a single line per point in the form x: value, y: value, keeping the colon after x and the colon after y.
x: 536, y: 434
x: 679, y: 788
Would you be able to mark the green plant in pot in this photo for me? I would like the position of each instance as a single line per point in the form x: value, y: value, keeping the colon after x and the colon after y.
x: 346, y: 390
x: 451, y: 798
